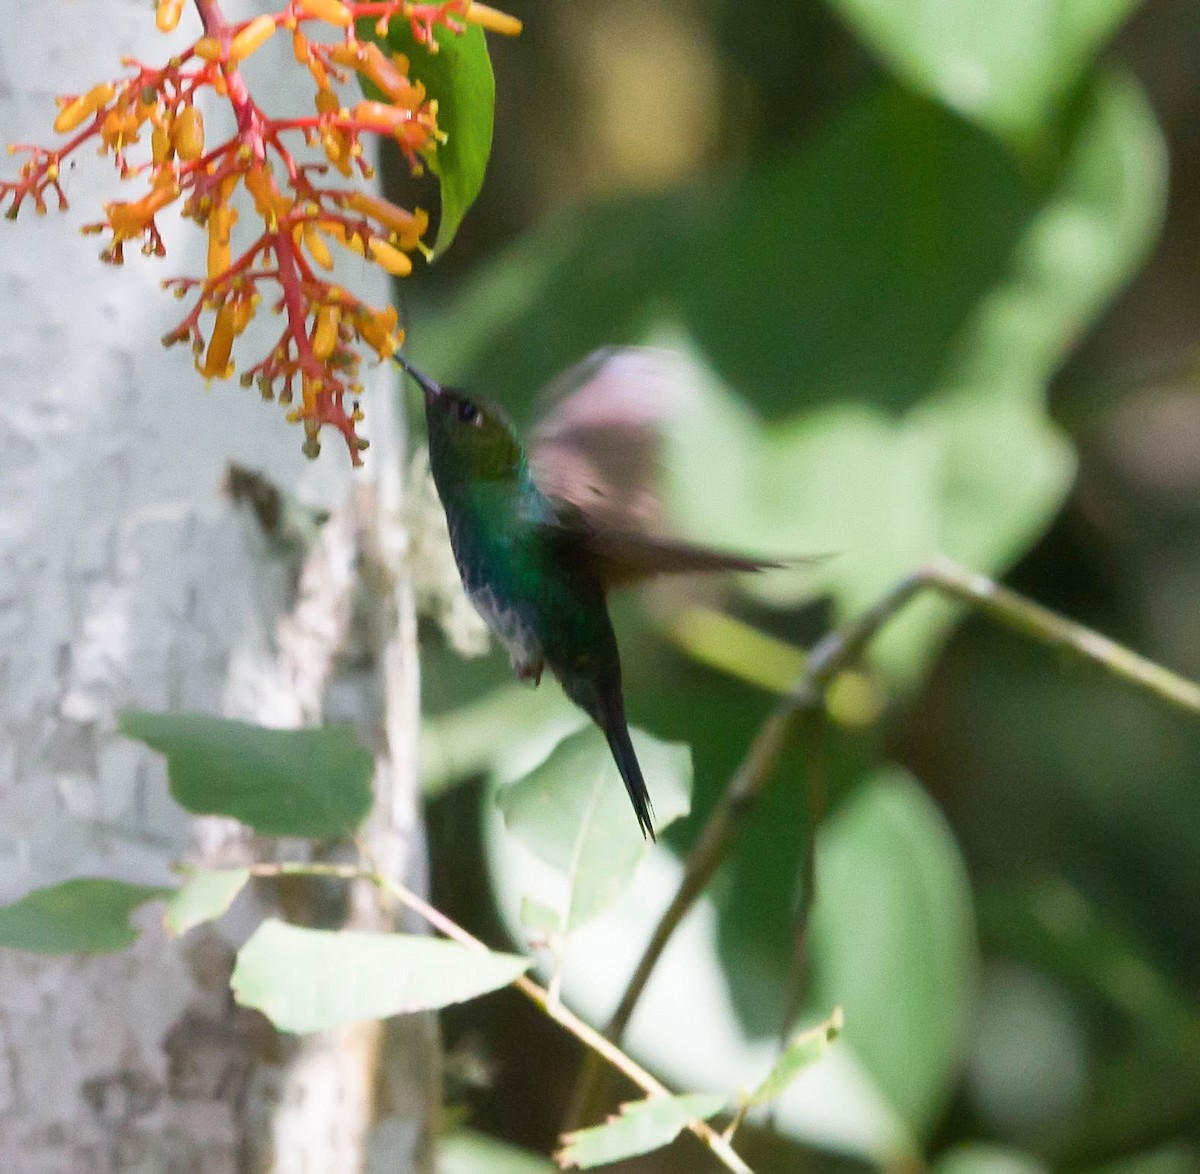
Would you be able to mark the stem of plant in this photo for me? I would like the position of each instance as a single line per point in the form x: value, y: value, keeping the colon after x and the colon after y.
x: 585, y: 1033
x: 832, y: 654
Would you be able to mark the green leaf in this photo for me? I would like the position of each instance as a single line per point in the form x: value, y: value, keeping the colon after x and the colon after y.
x: 977, y: 469
x: 467, y: 1152
x: 1054, y: 927
x: 1087, y: 239
x: 805, y: 1048
x: 462, y: 743
x: 311, y: 980
x: 459, y: 77
x: 945, y: 266
x: 801, y: 283
x: 204, y: 896
x: 540, y: 917
x: 981, y: 1158
x: 86, y: 916
x: 642, y: 1126
x: 961, y: 474
x: 892, y: 939
x: 313, y: 782
x: 1009, y: 67
x: 572, y: 812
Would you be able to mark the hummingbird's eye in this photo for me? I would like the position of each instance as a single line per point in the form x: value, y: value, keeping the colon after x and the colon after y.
x: 468, y: 413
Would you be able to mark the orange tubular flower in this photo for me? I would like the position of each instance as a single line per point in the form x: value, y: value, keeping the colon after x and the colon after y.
x: 391, y: 76
x: 208, y: 48
x: 167, y: 15
x: 391, y: 260
x: 216, y: 363
x: 380, y: 116
x: 377, y: 328
x: 493, y: 20
x: 187, y: 135
x: 269, y: 202
x: 220, y: 228
x: 299, y: 208
x: 76, y: 113
x: 314, y: 242
x: 332, y: 11
x: 161, y: 150
x: 325, y: 331
x: 408, y: 227
x: 252, y: 37
x: 130, y: 220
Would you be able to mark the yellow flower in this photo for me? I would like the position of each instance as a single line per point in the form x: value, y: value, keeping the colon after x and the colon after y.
x: 325, y: 331
x: 493, y: 20
x: 187, y: 134
x: 332, y: 11
x: 252, y: 37
x: 377, y: 328
x: 408, y: 227
x: 216, y: 363
x: 76, y: 112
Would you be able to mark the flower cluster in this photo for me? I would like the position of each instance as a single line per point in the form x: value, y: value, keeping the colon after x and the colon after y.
x: 301, y: 212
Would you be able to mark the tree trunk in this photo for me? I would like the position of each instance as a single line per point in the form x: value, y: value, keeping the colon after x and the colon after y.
x: 128, y: 580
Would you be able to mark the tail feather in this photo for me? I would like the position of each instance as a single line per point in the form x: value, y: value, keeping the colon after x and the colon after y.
x: 606, y: 707
x: 619, y: 742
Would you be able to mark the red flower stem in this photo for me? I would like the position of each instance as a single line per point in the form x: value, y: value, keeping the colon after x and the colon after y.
x: 293, y: 300
x: 249, y: 117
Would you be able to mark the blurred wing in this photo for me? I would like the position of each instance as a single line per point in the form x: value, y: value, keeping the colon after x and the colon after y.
x: 600, y: 447
x: 624, y: 559
x: 598, y: 457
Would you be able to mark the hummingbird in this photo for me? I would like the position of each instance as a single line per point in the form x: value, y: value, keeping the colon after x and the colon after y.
x: 539, y: 543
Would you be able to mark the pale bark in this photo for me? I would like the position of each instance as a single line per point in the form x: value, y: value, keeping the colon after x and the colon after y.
x: 127, y: 579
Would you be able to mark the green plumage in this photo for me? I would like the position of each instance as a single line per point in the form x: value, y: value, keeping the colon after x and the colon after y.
x: 538, y: 570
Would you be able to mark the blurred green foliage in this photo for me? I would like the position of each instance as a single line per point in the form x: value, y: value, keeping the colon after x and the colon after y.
x: 895, y: 226
x: 572, y: 813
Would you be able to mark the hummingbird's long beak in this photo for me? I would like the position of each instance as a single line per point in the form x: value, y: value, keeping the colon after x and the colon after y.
x: 431, y: 389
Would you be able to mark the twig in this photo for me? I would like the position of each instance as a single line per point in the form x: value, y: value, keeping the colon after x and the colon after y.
x: 537, y: 994
x: 828, y: 658
x: 1040, y: 623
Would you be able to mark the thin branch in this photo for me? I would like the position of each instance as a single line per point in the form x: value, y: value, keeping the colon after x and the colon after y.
x: 830, y: 656
x: 1040, y: 623
x: 537, y: 994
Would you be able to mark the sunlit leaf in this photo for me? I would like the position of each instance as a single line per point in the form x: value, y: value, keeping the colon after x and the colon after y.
x: 1089, y: 236
x: 459, y: 78
x: 310, y: 980
x: 892, y: 940
x: 467, y: 1152
x: 204, y: 896
x: 540, y: 917
x: 642, y: 1126
x: 462, y: 743
x: 979, y: 1158
x: 977, y: 469
x: 961, y: 474
x: 572, y: 812
x: 805, y: 1048
x: 312, y: 782
x: 1010, y: 67
x: 86, y: 916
